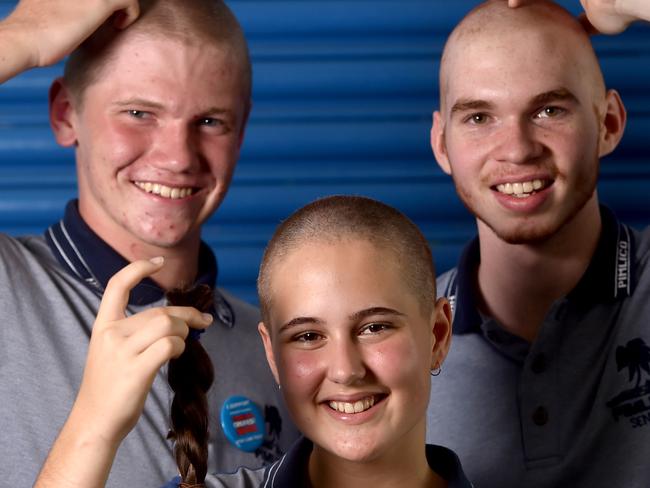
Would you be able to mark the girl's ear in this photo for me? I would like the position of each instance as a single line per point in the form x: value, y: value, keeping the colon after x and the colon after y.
x: 268, y: 349
x: 441, y: 327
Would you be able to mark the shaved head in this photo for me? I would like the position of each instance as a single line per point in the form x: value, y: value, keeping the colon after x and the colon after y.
x: 524, y: 119
x: 188, y: 21
x: 341, y: 218
x: 493, y: 26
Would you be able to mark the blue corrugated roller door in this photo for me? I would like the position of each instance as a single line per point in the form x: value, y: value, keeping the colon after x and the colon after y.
x: 343, y: 95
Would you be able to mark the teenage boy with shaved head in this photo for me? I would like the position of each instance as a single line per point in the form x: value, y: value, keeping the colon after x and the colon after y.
x: 155, y: 104
x: 551, y: 299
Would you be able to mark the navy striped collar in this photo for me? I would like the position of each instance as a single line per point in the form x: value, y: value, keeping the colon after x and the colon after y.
x: 609, y: 276
x: 291, y: 470
x: 87, y: 257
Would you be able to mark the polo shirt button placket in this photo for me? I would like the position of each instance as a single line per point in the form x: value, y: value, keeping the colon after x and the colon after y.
x: 540, y: 416
x: 538, y: 364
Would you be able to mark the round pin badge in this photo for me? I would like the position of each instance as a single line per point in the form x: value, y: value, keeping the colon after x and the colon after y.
x: 243, y: 423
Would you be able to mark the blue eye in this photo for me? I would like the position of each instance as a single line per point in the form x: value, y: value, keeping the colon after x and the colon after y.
x: 138, y: 114
x: 210, y: 122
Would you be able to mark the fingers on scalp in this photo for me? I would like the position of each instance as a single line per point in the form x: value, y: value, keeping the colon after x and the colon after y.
x: 128, y: 13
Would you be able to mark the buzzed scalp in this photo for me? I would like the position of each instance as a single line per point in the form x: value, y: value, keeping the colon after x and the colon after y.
x: 494, y: 18
x: 210, y: 21
x: 338, y: 218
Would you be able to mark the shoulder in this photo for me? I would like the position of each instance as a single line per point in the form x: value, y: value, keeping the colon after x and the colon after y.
x: 242, y: 478
x: 245, y: 312
x: 446, y: 463
x: 18, y: 254
x: 642, y: 243
x: 446, y: 283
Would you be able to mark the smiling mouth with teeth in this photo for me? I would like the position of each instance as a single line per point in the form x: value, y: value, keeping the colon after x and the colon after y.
x: 164, y: 191
x: 522, y: 189
x: 353, y: 407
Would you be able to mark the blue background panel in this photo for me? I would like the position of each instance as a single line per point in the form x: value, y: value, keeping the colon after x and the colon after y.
x: 343, y: 96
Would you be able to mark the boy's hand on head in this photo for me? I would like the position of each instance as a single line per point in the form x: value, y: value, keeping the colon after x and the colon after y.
x: 614, y: 16
x: 125, y: 353
x: 605, y: 16
x: 48, y: 30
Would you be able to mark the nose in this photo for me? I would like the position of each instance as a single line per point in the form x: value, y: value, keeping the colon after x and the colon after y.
x: 346, y: 364
x: 517, y: 143
x: 175, y: 148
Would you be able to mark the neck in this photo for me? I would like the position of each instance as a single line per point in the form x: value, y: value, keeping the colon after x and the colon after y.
x: 519, y: 282
x: 181, y: 260
x: 399, y: 467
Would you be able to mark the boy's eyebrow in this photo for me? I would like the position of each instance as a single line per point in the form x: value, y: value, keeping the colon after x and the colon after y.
x: 465, y: 104
x: 362, y: 314
x: 141, y: 102
x: 300, y: 321
x: 560, y: 94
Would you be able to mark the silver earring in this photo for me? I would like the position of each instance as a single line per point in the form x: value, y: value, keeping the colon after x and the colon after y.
x: 436, y: 371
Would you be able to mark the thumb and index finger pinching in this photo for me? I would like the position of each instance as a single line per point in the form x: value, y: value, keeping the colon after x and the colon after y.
x: 116, y: 295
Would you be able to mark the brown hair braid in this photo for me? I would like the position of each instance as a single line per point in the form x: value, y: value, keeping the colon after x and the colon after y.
x: 190, y: 376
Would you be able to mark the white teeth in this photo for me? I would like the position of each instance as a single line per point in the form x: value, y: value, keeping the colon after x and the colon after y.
x: 164, y: 191
x: 356, y: 407
x: 520, y: 189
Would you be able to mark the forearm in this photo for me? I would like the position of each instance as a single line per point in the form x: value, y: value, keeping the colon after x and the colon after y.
x: 639, y: 9
x: 15, y: 56
x: 80, y: 457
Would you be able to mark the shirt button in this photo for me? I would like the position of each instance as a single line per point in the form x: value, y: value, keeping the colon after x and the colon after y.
x: 539, y: 364
x: 540, y: 416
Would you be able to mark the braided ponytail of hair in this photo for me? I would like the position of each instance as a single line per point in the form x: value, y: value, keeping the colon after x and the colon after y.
x: 190, y: 376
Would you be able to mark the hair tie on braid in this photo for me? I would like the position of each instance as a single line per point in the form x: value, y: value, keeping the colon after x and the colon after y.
x: 190, y: 376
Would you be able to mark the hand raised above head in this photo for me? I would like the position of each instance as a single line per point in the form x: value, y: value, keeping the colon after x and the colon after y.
x: 614, y: 16
x: 605, y: 16
x: 42, y: 32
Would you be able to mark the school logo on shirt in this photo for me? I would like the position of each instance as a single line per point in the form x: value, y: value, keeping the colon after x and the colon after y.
x: 270, y: 449
x: 633, y: 404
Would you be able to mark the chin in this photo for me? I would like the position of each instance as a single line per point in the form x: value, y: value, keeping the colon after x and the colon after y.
x: 534, y: 235
x: 355, y: 450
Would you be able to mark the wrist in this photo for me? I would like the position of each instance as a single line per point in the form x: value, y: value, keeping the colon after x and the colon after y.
x: 15, y: 40
x: 633, y: 9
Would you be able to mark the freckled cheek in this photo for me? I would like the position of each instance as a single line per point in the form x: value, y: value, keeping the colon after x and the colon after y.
x: 402, y: 365
x: 301, y: 372
x: 222, y: 159
x: 465, y: 155
x: 120, y: 146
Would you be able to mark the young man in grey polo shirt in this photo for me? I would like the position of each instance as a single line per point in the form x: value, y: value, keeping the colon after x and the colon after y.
x: 156, y: 113
x: 547, y: 383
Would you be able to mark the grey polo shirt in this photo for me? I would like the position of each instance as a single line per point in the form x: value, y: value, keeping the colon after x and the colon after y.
x: 572, y: 409
x: 50, y: 289
x: 291, y: 470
